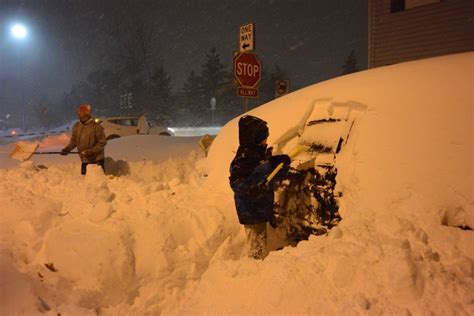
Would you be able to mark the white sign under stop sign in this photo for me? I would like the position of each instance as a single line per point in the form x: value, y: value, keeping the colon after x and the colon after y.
x: 247, y: 69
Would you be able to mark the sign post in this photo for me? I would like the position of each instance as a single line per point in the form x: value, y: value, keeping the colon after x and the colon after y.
x: 213, y: 108
x: 247, y: 66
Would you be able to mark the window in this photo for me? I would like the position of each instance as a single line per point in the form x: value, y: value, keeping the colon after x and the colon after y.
x: 417, y: 3
x: 402, y: 5
x: 123, y: 122
x: 397, y: 5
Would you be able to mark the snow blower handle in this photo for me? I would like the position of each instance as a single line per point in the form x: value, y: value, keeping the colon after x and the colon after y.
x: 295, y: 152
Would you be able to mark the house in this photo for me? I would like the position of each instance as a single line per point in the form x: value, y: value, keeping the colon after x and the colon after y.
x: 403, y: 30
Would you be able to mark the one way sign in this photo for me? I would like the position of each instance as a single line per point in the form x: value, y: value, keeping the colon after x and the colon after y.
x: 247, y: 37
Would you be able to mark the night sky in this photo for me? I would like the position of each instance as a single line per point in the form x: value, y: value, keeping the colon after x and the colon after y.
x: 310, y: 39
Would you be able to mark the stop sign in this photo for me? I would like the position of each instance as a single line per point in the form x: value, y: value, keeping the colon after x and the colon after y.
x: 247, y: 69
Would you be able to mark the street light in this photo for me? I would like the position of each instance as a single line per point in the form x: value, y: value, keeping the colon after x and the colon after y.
x: 20, y: 32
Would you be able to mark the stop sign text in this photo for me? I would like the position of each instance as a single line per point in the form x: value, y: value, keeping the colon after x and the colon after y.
x: 247, y: 69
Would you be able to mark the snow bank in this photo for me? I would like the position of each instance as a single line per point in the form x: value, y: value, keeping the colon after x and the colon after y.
x: 112, y: 241
x: 162, y: 236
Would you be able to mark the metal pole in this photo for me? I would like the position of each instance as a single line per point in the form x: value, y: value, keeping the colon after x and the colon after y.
x: 22, y: 93
x: 369, y: 37
x: 246, y: 103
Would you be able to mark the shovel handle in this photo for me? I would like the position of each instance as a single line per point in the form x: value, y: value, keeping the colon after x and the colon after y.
x: 295, y: 152
x: 274, y: 172
x: 52, y: 152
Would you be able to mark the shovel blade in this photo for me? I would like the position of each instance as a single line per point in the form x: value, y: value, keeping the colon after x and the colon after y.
x: 24, y: 150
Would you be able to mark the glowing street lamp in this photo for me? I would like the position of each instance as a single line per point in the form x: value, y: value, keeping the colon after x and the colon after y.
x: 20, y: 32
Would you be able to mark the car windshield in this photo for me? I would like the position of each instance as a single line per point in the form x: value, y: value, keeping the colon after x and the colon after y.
x: 125, y: 121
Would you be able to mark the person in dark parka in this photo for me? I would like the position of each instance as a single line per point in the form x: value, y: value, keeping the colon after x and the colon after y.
x: 253, y: 197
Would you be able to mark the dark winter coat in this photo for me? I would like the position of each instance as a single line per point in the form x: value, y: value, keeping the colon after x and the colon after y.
x: 248, y: 170
x: 88, y: 135
x: 253, y: 199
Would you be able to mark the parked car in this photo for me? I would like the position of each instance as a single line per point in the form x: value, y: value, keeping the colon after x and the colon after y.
x: 115, y: 127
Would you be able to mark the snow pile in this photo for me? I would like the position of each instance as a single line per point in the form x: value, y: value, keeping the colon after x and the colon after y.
x: 111, y: 240
x: 162, y: 237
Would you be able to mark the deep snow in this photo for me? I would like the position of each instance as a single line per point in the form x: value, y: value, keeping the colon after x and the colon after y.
x: 161, y: 236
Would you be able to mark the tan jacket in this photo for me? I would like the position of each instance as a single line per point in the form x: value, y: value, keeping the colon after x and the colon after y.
x: 88, y: 135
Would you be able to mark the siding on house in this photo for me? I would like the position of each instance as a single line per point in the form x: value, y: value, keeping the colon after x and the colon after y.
x: 424, y: 31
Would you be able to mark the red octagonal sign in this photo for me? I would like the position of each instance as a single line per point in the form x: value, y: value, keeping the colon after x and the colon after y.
x: 247, y: 69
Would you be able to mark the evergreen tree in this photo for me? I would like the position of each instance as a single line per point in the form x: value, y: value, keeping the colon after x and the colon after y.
x: 161, y: 82
x: 213, y: 79
x: 229, y: 104
x: 104, y: 91
x: 350, y: 65
x: 192, y: 89
x: 213, y: 73
x: 140, y: 97
x: 193, y: 98
x: 79, y: 93
x: 160, y: 95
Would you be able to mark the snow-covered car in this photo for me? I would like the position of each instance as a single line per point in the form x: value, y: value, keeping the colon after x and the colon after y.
x: 365, y: 138
x: 115, y: 127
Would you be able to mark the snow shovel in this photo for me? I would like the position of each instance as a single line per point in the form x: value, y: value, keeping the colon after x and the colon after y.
x: 299, y: 147
x: 295, y: 152
x: 24, y: 150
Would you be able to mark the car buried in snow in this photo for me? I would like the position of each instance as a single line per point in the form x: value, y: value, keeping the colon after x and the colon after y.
x: 370, y: 136
x: 121, y: 126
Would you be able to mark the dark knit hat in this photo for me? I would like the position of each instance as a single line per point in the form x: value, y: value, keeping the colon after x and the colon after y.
x: 252, y: 130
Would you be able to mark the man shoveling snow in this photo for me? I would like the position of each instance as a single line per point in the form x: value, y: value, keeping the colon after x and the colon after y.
x: 89, y: 138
